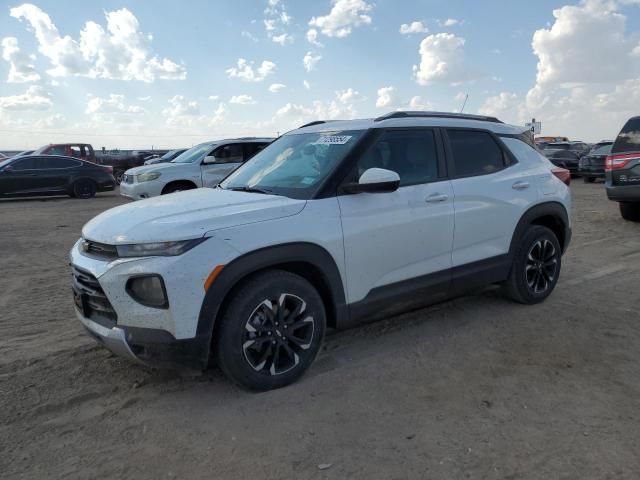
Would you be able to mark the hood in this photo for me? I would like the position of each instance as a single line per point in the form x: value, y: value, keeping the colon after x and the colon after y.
x: 186, y: 215
x: 156, y: 167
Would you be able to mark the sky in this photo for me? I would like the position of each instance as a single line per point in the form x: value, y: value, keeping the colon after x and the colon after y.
x: 142, y: 74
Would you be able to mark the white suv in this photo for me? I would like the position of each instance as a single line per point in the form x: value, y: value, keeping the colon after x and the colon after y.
x: 332, y: 223
x: 204, y: 165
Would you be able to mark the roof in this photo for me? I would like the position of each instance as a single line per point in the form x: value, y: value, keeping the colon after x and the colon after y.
x: 238, y: 140
x: 412, y: 119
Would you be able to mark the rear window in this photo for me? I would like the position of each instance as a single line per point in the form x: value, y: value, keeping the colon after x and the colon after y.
x: 629, y: 138
x: 475, y: 153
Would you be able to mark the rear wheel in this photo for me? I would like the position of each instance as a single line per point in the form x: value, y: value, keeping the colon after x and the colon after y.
x: 177, y: 187
x: 630, y: 211
x: 84, y: 189
x: 536, y: 266
x: 271, y: 331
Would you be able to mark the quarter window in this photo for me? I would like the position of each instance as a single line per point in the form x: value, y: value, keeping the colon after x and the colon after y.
x: 629, y: 138
x: 412, y: 154
x: 475, y: 153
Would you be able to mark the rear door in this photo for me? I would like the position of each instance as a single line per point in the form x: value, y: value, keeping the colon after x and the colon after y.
x: 624, y: 162
x: 491, y: 189
x: 228, y: 158
x: 56, y: 172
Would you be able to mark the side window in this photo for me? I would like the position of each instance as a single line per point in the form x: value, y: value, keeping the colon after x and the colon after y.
x: 412, y: 154
x: 26, y: 164
x: 53, y: 162
x: 231, y: 153
x: 56, y: 150
x: 250, y: 149
x: 76, y: 152
x: 475, y: 153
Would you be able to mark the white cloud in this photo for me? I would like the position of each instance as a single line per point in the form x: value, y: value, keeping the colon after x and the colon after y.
x: 242, y: 100
x: 505, y: 105
x: 181, y: 111
x: 276, y: 87
x: 213, y: 98
x: 21, y: 65
x: 249, y: 35
x: 312, y: 37
x: 35, y: 98
x: 417, y: 103
x: 145, y: 99
x: 52, y: 121
x: 306, y: 84
x: 114, y: 103
x: 441, y: 60
x: 349, y: 96
x: 450, y: 22
x: 282, y: 39
x: 245, y: 70
x: 344, y: 15
x: 386, y: 97
x: 413, y: 27
x: 121, y: 52
x: 310, y: 61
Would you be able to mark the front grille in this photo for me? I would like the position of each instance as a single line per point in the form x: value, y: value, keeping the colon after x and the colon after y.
x: 91, y: 299
x: 100, y: 250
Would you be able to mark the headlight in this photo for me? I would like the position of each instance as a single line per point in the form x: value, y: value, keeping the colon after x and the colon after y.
x: 163, y: 249
x: 147, y: 177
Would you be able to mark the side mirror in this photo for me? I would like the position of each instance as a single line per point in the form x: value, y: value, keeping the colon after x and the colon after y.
x: 374, y: 180
x: 210, y: 159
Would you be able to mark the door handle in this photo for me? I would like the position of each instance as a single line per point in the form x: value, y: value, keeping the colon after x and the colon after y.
x: 520, y: 185
x: 437, y: 197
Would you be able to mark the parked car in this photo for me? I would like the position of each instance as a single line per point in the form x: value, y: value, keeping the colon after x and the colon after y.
x: 3, y: 156
x: 83, y: 151
x: 623, y: 171
x: 579, y: 147
x: 53, y: 175
x: 548, y: 139
x: 592, y: 164
x: 167, y: 157
x: 565, y: 159
x: 331, y: 224
x: 201, y: 166
x: 601, y: 143
x: 22, y: 154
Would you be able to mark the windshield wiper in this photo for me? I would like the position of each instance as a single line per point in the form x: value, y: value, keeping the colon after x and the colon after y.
x: 246, y: 188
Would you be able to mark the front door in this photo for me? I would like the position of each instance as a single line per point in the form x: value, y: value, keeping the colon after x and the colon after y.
x: 399, y: 242
x: 228, y: 158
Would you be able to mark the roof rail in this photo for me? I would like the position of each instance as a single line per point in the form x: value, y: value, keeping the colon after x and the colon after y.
x: 311, y: 124
x: 464, y: 116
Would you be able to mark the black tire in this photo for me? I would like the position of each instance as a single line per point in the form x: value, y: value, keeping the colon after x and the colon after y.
x: 589, y: 179
x: 536, y: 266
x: 630, y: 211
x: 84, y: 189
x: 177, y: 187
x: 117, y: 175
x: 283, y: 316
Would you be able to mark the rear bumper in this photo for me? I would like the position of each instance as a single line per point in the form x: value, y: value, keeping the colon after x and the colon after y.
x: 623, y: 193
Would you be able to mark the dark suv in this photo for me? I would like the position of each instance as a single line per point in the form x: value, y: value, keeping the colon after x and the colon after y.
x: 623, y: 170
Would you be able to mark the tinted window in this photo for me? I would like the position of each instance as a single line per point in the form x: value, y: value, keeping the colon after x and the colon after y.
x: 629, y: 138
x: 475, y: 153
x: 58, y: 163
x: 231, y: 153
x: 250, y: 149
x: 26, y: 164
x: 409, y: 153
x: 56, y: 150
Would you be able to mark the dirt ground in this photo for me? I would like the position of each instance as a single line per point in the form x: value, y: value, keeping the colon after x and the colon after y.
x: 476, y: 388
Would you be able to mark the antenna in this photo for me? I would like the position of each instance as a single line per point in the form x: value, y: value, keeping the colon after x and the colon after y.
x: 466, y: 97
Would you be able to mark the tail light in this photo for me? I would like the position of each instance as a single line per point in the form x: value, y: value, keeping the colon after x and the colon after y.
x: 563, y: 174
x: 614, y: 162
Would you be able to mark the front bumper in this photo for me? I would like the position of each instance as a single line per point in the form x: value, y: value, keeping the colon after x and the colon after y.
x: 140, y: 191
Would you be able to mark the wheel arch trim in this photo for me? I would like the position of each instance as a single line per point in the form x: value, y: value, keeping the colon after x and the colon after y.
x: 555, y: 210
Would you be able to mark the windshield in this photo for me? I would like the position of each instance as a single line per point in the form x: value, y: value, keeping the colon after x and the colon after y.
x: 295, y: 165
x: 169, y: 154
x: 4, y: 163
x: 603, y: 150
x: 194, y: 154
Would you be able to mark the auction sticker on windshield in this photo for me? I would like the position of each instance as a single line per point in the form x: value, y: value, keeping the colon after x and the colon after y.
x: 333, y: 140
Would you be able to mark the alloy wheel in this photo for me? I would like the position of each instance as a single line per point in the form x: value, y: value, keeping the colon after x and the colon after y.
x: 278, y: 334
x: 541, y: 267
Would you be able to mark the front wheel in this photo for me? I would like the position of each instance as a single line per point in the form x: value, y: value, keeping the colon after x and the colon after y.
x: 271, y: 331
x: 536, y: 266
x: 630, y: 211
